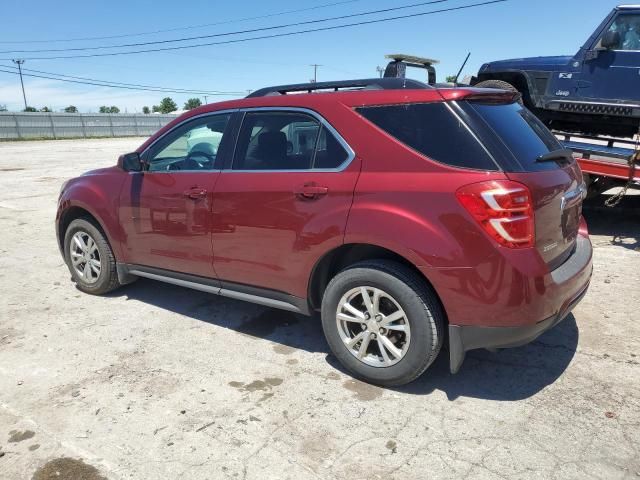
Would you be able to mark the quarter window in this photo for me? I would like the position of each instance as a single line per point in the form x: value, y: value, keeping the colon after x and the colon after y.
x: 432, y: 130
x: 192, y: 147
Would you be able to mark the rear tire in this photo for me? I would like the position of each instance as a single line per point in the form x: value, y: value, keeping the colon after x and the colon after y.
x: 90, y: 258
x: 411, y: 343
x: 500, y: 85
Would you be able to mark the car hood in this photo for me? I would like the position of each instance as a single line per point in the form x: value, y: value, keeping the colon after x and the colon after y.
x: 533, y: 63
x: 100, y: 171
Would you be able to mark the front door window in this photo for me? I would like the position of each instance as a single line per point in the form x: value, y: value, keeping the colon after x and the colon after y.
x: 193, y: 147
x: 628, y: 28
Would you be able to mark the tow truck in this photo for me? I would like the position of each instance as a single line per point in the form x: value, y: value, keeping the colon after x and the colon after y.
x: 606, y: 161
x: 591, y: 100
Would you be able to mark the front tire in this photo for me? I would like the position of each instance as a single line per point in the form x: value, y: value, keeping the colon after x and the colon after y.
x: 383, y: 322
x: 90, y: 258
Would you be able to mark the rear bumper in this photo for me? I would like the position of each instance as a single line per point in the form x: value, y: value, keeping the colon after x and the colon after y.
x: 465, y: 338
x: 565, y: 287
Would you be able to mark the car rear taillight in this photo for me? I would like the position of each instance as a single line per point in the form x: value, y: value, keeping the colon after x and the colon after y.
x: 503, y: 208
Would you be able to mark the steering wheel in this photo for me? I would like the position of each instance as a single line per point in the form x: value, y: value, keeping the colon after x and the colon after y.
x: 210, y: 157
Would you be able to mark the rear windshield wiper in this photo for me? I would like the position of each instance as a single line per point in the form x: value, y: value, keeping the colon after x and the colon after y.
x: 563, y: 154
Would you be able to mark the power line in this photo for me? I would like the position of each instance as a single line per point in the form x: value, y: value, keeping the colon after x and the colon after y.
x: 263, y: 37
x: 154, y: 87
x: 225, y: 34
x: 189, y: 27
x: 121, y: 86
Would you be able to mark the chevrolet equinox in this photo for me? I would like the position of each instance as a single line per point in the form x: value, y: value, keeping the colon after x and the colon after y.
x: 407, y: 215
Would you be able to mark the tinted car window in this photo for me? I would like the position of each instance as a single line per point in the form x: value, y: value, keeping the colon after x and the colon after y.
x: 191, y: 147
x: 329, y: 152
x: 433, y: 130
x: 520, y: 131
x: 276, y: 141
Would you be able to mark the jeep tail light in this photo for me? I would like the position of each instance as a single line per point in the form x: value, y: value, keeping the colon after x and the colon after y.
x: 503, y: 208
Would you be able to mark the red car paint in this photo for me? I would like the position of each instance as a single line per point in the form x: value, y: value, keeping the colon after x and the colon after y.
x: 251, y: 228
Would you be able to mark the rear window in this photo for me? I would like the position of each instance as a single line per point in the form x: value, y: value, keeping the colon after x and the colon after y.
x: 521, y: 132
x: 433, y: 130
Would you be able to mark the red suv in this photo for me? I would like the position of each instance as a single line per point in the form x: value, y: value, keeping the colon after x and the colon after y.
x: 407, y: 215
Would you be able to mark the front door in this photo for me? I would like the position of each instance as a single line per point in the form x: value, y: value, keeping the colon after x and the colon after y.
x: 283, y: 202
x: 165, y: 210
x: 615, y: 74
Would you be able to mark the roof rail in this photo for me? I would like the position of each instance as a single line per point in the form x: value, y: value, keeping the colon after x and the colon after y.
x: 362, y: 84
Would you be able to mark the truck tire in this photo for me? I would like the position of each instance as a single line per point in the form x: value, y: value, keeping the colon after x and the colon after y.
x: 500, y: 85
x: 362, y: 336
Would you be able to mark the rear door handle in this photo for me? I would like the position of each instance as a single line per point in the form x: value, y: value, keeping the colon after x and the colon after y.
x: 310, y: 191
x: 195, y: 193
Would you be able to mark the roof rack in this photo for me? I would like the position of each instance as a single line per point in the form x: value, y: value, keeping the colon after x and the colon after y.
x: 397, y: 67
x: 362, y: 84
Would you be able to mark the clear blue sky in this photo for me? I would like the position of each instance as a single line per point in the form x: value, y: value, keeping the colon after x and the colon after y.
x: 517, y: 28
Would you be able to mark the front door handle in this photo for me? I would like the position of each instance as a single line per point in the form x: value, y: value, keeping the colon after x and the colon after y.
x: 195, y: 193
x: 310, y: 191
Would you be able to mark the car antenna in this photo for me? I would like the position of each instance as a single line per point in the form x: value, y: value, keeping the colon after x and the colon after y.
x: 455, y: 81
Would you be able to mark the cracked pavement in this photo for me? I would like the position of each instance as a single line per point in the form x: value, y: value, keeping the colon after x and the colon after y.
x: 157, y: 381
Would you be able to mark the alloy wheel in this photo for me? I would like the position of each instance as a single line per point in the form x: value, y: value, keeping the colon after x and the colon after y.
x: 373, y: 326
x: 85, y: 257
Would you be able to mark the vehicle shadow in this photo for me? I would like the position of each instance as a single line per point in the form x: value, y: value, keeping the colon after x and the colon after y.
x: 621, y: 223
x: 508, y: 375
x: 279, y: 326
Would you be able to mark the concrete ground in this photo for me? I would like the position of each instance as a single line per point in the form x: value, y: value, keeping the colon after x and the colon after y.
x: 159, y: 382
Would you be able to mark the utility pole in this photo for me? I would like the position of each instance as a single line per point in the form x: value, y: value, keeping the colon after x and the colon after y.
x: 205, y: 99
x: 380, y: 71
x: 19, y: 62
x: 315, y: 71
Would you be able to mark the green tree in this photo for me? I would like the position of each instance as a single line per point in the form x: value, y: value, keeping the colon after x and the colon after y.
x: 192, y: 103
x: 155, y: 109
x: 71, y: 109
x: 45, y: 109
x: 3, y: 108
x: 111, y: 109
x: 30, y: 109
x: 146, y: 110
x: 167, y: 105
x: 451, y: 79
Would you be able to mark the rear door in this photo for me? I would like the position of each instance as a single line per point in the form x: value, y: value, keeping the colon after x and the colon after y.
x: 283, y: 201
x: 557, y: 186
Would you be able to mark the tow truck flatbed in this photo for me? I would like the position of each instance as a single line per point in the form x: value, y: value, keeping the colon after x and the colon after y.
x: 603, y: 157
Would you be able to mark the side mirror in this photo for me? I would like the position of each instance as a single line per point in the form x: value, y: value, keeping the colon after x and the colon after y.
x: 611, y: 40
x: 130, y: 162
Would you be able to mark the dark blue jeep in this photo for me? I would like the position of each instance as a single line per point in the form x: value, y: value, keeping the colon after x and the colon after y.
x: 594, y: 92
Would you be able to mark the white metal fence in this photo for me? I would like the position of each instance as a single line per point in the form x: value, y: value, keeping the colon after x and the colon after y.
x: 34, y: 125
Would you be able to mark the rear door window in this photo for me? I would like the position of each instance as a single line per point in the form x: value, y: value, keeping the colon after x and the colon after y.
x: 434, y: 130
x: 276, y: 141
x: 281, y: 140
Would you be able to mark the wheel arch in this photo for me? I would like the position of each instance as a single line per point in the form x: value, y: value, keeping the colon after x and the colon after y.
x: 519, y: 79
x: 74, y: 211
x: 341, y: 257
